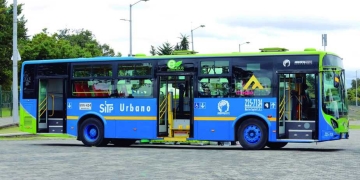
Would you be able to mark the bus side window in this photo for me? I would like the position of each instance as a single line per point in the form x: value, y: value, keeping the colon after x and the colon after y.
x: 29, y: 82
x: 214, y: 87
x: 136, y: 87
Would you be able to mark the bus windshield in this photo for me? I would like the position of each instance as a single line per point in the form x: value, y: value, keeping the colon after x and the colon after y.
x: 334, y: 99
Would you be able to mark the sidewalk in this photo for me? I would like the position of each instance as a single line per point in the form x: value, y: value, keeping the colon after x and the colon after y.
x: 6, y: 121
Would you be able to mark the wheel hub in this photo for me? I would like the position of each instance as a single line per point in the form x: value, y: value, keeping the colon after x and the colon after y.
x: 91, y: 132
x: 252, y: 134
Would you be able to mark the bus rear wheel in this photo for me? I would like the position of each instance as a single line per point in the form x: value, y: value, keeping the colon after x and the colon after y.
x: 92, y: 132
x: 252, y: 134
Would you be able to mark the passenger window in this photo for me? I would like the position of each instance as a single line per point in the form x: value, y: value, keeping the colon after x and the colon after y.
x: 252, y: 79
x: 95, y: 70
x: 92, y: 88
x: 215, y: 67
x: 135, y: 69
x: 213, y: 87
x: 135, y: 88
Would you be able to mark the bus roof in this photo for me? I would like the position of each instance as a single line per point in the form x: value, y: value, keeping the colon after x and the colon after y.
x: 188, y: 54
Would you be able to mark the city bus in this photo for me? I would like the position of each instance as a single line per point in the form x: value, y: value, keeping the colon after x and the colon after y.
x: 260, y: 99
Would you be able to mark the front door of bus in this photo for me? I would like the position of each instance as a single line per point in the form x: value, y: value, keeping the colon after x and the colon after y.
x: 175, y: 105
x: 297, y: 115
x: 51, y: 106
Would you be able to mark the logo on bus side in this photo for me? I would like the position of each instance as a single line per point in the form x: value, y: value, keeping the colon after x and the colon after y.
x: 286, y: 63
x: 256, y: 82
x: 175, y: 65
x: 106, y: 108
x: 223, y: 107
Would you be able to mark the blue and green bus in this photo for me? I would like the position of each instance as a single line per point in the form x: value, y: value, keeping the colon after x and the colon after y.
x: 261, y: 99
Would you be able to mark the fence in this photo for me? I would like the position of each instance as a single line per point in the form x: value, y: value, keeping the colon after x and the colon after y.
x: 6, y: 103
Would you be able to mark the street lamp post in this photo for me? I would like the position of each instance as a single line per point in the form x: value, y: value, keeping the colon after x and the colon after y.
x: 15, y: 67
x: 192, y: 36
x: 130, y: 21
x: 242, y: 44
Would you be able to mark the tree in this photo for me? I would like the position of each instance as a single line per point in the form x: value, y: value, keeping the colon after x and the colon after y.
x: 118, y: 54
x: 353, y: 83
x: 177, y: 47
x: 165, y: 49
x: 46, y: 46
x: 86, y: 40
x: 64, y: 45
x: 6, y: 38
x: 153, y: 50
x: 107, y: 51
x: 184, y: 43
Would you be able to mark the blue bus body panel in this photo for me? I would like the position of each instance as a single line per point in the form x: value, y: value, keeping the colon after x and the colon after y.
x: 29, y: 106
x: 122, y: 117
x: 215, y: 118
x: 326, y: 131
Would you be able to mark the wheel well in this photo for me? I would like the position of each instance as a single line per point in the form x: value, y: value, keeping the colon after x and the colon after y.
x: 82, y: 119
x: 237, y: 124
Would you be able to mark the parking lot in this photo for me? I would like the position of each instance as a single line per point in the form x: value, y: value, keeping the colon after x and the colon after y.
x: 68, y: 159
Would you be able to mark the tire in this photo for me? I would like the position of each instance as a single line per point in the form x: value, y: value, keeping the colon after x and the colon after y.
x: 123, y: 142
x: 92, y: 132
x: 276, y: 145
x: 252, y: 134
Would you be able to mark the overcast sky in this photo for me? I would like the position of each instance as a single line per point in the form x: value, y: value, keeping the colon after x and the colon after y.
x: 278, y: 23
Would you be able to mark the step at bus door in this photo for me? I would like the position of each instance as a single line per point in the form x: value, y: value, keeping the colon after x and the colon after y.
x: 51, y: 106
x: 175, y: 104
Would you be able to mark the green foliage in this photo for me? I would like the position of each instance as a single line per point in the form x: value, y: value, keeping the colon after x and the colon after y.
x: 6, y: 38
x: 118, y: 54
x: 351, y: 92
x: 167, y: 49
x: 64, y: 44
x: 184, y: 43
x: 153, y: 50
x: 353, y: 83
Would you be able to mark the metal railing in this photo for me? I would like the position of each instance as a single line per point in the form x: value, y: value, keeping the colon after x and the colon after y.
x: 6, y: 102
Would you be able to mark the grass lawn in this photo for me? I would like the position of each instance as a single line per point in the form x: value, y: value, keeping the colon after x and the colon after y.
x: 5, y: 112
x: 11, y: 129
x: 354, y: 126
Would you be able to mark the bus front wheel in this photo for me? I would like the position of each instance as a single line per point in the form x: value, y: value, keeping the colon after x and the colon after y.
x: 252, y: 134
x: 92, y: 132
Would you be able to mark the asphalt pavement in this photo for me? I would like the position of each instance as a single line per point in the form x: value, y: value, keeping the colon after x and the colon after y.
x: 69, y: 159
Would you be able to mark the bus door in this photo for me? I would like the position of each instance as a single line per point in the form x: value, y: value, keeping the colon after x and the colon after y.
x: 175, y: 105
x: 297, y: 117
x: 51, y: 105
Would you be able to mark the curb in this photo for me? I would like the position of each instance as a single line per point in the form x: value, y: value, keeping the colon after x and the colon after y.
x: 15, y: 134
